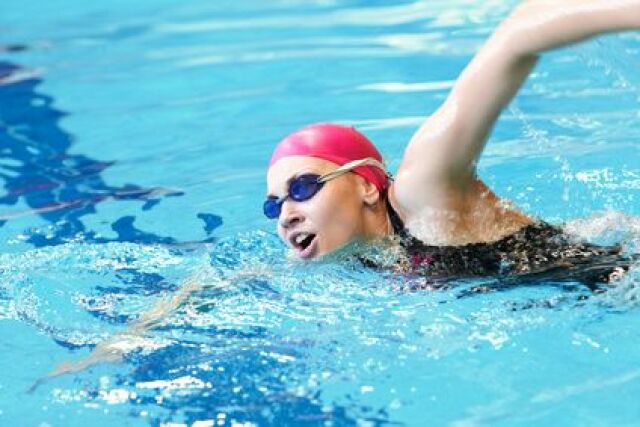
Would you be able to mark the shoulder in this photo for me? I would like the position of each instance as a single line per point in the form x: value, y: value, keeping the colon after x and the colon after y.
x: 457, y: 217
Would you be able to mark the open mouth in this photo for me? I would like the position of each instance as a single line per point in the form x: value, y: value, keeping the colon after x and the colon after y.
x: 305, y: 244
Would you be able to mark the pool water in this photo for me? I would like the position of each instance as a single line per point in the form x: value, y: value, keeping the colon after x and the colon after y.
x: 134, y: 138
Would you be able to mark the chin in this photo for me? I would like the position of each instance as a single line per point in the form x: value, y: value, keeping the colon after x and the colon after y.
x: 344, y: 250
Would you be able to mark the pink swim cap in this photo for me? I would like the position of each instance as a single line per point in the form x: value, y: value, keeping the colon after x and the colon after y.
x: 336, y: 143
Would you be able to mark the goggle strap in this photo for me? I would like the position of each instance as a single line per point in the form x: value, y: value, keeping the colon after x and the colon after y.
x: 347, y: 167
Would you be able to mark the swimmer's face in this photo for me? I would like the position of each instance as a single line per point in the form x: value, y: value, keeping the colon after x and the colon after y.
x: 327, y: 221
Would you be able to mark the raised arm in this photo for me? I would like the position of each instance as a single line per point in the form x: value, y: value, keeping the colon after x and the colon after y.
x: 440, y: 160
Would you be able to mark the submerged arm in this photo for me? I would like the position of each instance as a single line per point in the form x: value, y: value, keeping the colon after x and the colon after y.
x: 114, y: 348
x: 441, y: 157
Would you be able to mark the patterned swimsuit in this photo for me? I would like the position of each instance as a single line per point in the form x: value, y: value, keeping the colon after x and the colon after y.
x: 538, y: 251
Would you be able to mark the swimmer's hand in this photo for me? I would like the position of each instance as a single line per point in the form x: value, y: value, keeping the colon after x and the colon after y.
x: 105, y: 352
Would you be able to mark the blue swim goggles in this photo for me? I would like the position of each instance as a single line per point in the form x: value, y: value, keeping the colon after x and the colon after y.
x: 304, y: 187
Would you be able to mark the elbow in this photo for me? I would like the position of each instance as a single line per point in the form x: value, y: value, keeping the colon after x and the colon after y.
x: 517, y: 40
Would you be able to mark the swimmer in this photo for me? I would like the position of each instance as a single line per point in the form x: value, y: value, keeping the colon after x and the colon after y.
x: 327, y: 184
x: 328, y: 187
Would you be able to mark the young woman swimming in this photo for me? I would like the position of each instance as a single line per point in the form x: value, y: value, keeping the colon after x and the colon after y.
x: 327, y: 185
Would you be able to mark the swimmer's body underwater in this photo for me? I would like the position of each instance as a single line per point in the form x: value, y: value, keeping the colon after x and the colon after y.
x: 449, y: 222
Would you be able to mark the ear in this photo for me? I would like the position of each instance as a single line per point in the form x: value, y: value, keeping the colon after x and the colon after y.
x: 369, y: 192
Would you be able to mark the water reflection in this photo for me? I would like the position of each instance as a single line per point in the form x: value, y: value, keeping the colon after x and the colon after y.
x: 37, y: 171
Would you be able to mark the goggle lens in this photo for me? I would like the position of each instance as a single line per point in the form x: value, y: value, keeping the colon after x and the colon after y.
x: 301, y: 188
x: 304, y: 187
x: 271, y: 208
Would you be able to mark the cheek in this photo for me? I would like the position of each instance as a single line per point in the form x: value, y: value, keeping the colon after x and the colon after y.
x: 337, y: 212
x: 322, y: 208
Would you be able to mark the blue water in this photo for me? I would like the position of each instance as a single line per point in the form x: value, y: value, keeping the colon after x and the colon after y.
x: 133, y: 143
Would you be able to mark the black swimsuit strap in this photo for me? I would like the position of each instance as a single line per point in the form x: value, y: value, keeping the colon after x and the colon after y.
x: 396, y: 222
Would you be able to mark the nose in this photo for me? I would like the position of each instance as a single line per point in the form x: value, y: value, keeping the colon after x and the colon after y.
x: 289, y: 215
